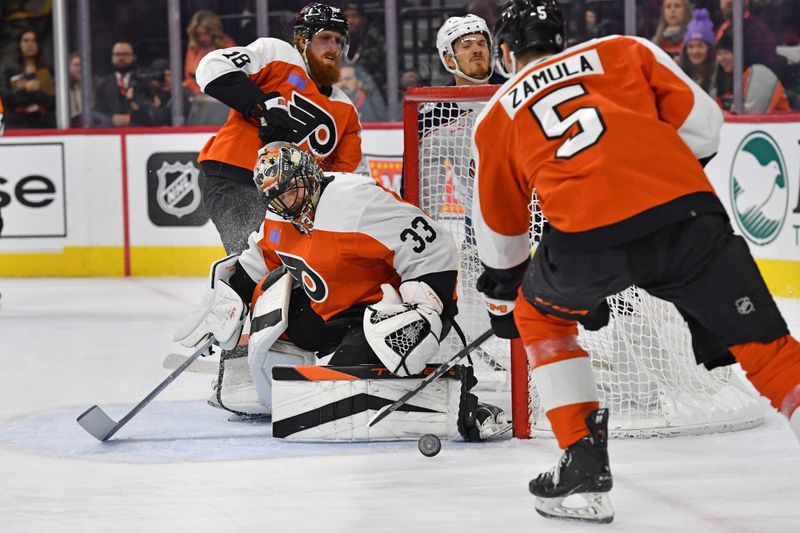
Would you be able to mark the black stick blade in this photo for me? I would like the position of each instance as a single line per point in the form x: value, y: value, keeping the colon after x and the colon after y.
x: 97, y: 423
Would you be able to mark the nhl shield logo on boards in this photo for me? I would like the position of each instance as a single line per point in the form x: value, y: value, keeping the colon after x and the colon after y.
x: 174, y: 189
x: 178, y: 190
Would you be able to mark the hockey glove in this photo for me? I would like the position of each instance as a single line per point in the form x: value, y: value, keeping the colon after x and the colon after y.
x: 275, y: 122
x: 500, y: 286
x: 404, y: 332
x: 221, y: 312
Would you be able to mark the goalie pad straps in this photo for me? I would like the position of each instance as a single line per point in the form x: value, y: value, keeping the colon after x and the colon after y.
x: 405, y: 336
x: 270, y: 319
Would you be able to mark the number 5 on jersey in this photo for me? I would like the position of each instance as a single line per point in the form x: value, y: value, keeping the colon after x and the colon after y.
x: 554, y: 126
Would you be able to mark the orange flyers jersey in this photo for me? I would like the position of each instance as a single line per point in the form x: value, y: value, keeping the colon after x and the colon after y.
x: 363, y: 236
x: 327, y: 126
x: 603, y: 131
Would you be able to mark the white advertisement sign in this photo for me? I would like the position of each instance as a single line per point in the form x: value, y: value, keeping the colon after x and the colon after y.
x: 757, y: 176
x: 32, y: 190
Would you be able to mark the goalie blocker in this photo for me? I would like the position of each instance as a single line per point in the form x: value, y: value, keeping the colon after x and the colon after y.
x: 335, y: 403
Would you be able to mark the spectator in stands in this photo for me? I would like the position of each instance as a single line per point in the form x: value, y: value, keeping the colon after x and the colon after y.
x: 367, y: 46
x: 675, y: 16
x: 205, y: 35
x: 111, y: 98
x: 763, y: 91
x: 127, y: 96
x: 760, y: 45
x: 488, y: 10
x: 371, y: 107
x: 29, y: 91
x: 698, y: 57
x: 2, y: 124
x: 160, y: 91
x: 75, y: 95
x: 410, y: 78
x: 584, y: 27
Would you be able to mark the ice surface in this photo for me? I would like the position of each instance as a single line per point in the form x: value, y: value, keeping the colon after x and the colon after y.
x: 66, y: 344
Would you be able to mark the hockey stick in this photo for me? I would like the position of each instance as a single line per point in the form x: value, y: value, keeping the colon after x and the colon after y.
x: 102, y: 427
x: 199, y: 366
x: 443, y: 369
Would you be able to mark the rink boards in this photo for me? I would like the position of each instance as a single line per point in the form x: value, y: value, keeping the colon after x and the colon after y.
x: 128, y: 202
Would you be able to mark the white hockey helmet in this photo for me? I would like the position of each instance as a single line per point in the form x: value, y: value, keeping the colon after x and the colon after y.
x: 453, y: 29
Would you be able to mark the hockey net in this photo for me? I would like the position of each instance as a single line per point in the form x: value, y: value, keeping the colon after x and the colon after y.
x: 643, y: 360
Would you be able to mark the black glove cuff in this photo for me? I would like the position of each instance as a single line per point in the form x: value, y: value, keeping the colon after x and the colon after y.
x: 504, y: 326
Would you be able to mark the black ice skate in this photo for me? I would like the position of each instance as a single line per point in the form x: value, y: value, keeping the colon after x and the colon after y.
x: 491, y: 421
x: 582, y: 470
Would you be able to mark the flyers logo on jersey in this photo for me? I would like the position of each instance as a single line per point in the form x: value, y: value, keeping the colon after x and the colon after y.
x: 314, y: 124
x: 313, y: 284
x: 540, y: 78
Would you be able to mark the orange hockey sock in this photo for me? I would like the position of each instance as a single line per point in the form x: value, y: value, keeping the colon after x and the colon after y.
x: 774, y: 369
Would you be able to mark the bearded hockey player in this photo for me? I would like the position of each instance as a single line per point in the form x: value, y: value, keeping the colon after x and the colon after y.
x: 343, y: 269
x: 613, y: 136
x: 277, y: 92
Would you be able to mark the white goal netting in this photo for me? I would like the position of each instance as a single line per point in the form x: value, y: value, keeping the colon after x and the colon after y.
x: 643, y: 360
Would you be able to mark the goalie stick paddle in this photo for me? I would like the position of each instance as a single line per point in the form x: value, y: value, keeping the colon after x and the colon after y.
x: 102, y: 427
x: 443, y: 369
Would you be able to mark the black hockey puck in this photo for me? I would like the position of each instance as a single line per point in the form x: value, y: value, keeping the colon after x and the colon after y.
x: 429, y: 445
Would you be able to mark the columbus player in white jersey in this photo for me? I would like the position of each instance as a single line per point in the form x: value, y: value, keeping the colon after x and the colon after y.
x: 374, y: 276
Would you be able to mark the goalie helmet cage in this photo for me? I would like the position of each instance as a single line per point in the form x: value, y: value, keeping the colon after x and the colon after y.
x: 643, y: 360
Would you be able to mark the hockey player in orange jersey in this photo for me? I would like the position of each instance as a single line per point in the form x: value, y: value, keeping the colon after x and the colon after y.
x: 374, y: 276
x: 277, y: 92
x: 613, y: 137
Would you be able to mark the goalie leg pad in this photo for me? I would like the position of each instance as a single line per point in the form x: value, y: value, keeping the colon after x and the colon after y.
x: 243, y: 390
x: 270, y: 319
x: 336, y: 403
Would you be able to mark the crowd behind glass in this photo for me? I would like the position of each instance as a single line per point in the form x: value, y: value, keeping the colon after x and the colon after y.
x: 132, y: 78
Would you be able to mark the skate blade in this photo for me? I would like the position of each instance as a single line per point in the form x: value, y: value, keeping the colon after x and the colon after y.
x: 597, y: 510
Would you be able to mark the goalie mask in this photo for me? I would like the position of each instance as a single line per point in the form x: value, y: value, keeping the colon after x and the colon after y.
x: 292, y: 182
x: 528, y: 25
x: 454, y: 29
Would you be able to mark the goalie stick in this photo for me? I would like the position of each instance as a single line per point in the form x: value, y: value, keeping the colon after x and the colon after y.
x: 444, y: 368
x: 102, y: 427
x: 199, y: 366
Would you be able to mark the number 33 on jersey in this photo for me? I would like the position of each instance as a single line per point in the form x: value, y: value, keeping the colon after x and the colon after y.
x: 564, y: 133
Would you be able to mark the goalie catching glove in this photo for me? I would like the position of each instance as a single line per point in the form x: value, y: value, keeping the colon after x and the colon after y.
x: 404, y: 329
x: 221, y: 312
